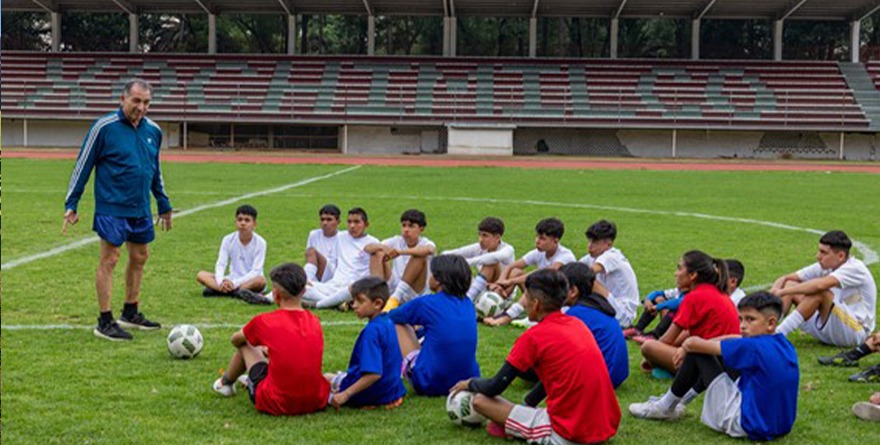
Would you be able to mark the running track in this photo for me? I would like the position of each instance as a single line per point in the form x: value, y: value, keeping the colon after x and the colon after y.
x: 193, y: 156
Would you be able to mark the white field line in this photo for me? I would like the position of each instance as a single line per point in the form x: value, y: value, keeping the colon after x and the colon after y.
x: 60, y: 192
x: 71, y: 327
x: 92, y: 239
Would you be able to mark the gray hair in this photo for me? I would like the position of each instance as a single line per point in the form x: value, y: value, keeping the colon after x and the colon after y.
x: 136, y: 81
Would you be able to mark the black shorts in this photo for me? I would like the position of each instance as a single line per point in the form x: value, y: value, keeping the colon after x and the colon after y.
x: 256, y: 374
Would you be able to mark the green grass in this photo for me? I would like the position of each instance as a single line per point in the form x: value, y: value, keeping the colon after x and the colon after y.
x: 65, y: 386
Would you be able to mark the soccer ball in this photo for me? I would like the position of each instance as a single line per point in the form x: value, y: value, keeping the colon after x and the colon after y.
x: 185, y: 341
x: 489, y: 304
x: 460, y: 408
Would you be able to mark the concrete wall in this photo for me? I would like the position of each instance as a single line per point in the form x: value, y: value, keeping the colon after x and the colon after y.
x: 61, y: 134
x: 493, y: 141
x: 359, y: 139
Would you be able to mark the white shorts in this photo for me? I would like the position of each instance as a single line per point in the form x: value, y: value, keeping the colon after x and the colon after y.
x: 722, y: 408
x: 841, y: 329
x: 625, y: 312
x: 533, y: 425
x: 325, y: 295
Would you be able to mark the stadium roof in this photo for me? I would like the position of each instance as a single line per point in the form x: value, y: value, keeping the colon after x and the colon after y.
x: 708, y: 9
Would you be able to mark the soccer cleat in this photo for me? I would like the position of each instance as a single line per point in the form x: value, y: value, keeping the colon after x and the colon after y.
x: 867, y: 411
x: 869, y: 375
x: 243, y: 380
x: 391, y: 304
x: 497, y: 430
x: 111, y: 331
x: 631, y: 332
x: 223, y: 390
x: 652, y: 410
x: 208, y: 292
x: 251, y: 297
x: 845, y: 358
x: 641, y: 339
x: 138, y: 322
x: 524, y: 323
x: 661, y: 374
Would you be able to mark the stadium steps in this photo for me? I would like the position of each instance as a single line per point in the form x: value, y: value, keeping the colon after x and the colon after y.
x: 863, y: 90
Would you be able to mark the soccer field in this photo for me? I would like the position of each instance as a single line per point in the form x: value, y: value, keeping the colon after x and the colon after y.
x: 62, y: 385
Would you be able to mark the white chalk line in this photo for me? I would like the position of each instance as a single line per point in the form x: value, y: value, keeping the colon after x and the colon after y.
x: 72, y: 327
x: 61, y: 192
x: 93, y: 239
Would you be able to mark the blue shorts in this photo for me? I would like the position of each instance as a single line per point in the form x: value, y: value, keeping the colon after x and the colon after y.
x: 118, y: 230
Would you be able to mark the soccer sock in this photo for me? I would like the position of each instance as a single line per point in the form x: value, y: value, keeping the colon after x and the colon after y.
x: 226, y: 380
x: 668, y: 401
x: 790, y: 324
x: 341, y: 296
x: 106, y: 317
x: 859, y: 351
x: 129, y: 310
x: 644, y: 320
x: 515, y: 310
x: 689, y: 397
x: 663, y: 325
x: 311, y: 272
x: 403, y: 292
x: 477, y: 287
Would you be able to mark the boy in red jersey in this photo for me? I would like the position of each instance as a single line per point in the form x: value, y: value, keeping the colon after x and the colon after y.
x: 292, y: 338
x: 561, y: 351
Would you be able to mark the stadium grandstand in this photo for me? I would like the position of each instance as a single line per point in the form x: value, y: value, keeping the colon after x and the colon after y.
x: 462, y: 105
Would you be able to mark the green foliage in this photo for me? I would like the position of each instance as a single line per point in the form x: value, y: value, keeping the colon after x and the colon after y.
x: 65, y: 386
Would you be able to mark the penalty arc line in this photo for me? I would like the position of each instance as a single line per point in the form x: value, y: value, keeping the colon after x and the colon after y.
x: 93, y: 239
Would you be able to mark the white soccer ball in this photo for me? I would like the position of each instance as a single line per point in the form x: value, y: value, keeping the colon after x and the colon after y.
x: 489, y: 304
x: 185, y: 341
x: 460, y: 408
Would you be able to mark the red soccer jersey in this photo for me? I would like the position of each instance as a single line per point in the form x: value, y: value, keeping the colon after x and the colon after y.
x: 295, y: 340
x: 707, y: 313
x: 580, y: 399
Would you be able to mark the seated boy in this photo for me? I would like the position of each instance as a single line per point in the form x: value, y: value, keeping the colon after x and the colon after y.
x: 403, y: 259
x: 836, y: 297
x: 489, y: 256
x: 547, y: 254
x: 448, y: 351
x: 373, y: 377
x: 751, y: 381
x: 612, y: 270
x: 598, y: 314
x: 244, y: 252
x: 281, y: 351
x: 736, y: 273
x: 561, y: 351
x: 321, y: 246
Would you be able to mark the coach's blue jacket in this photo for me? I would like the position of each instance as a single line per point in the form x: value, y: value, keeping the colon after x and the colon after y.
x: 126, y: 162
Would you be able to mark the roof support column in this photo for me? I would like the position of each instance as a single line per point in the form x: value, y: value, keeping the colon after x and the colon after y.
x: 450, y: 26
x: 445, y: 35
x: 56, y: 31
x: 777, y: 39
x: 855, y: 32
x: 133, y: 32
x: 695, y: 39
x: 453, y: 36
x: 533, y: 36
x: 291, y: 34
x: 613, y: 33
x: 212, y: 33
x: 371, y: 35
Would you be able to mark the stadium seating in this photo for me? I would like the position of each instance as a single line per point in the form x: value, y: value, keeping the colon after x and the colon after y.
x: 432, y: 90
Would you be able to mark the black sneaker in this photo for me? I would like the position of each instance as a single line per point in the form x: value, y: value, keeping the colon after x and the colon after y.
x: 208, y: 292
x: 139, y: 322
x: 111, y: 331
x: 846, y: 358
x: 869, y: 375
x: 251, y: 297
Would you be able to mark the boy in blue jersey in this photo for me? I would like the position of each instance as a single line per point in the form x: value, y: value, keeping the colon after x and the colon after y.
x: 598, y: 314
x: 373, y: 377
x: 448, y: 352
x: 751, y: 382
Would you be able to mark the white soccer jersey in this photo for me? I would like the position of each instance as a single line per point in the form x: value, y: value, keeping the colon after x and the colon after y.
x: 245, y: 261
x: 857, y: 289
x: 327, y: 247
x: 478, y: 257
x: 619, y: 277
x: 399, y: 263
x: 352, y: 263
x: 737, y: 296
x: 540, y: 260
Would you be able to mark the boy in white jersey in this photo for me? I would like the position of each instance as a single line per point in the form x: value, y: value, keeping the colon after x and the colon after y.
x: 352, y: 263
x: 489, y: 256
x: 321, y: 246
x: 244, y: 252
x: 403, y: 259
x: 736, y: 273
x: 612, y: 270
x: 547, y: 254
x: 836, y: 297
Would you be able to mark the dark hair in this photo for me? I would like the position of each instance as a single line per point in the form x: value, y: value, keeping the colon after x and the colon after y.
x: 762, y: 301
x: 290, y: 277
x: 602, y: 229
x: 491, y: 225
x: 579, y: 276
x: 548, y: 286
x: 246, y: 209
x: 735, y: 269
x: 709, y: 270
x: 414, y: 216
x: 359, y: 211
x: 837, y: 240
x: 374, y: 288
x: 550, y: 227
x: 126, y: 89
x: 453, y: 274
x: 330, y: 209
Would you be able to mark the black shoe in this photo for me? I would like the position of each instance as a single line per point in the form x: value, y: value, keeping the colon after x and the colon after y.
x: 138, y: 322
x: 251, y: 297
x: 845, y: 358
x: 208, y: 292
x: 869, y: 375
x: 111, y: 331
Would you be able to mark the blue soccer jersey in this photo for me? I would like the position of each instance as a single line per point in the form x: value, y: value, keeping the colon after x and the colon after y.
x: 609, y: 337
x: 376, y: 351
x: 449, y: 349
x: 768, y: 381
